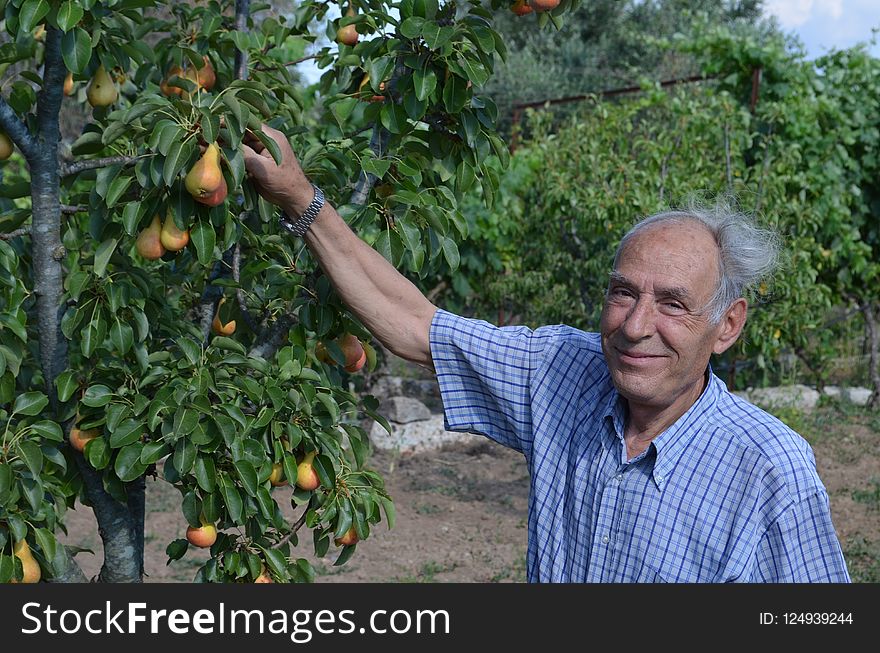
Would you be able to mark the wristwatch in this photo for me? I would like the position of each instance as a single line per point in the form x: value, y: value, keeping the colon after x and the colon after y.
x: 301, y: 225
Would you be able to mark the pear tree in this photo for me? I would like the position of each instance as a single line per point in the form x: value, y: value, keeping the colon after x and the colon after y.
x: 155, y: 321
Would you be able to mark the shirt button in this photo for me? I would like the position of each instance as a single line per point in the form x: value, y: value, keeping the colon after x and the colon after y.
x: 605, y: 539
x: 659, y: 479
x: 619, y: 477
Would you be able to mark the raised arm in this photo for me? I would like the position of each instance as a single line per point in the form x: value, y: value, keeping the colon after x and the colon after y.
x: 391, y: 307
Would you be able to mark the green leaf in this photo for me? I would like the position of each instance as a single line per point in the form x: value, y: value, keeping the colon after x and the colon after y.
x: 128, y: 464
x: 6, y: 481
x: 394, y: 118
x: 184, y: 456
x: 106, y: 249
x: 69, y: 14
x: 450, y: 253
x: 329, y: 403
x: 232, y: 499
x: 248, y: 476
x: 153, y: 452
x: 126, y: 433
x: 176, y: 550
x: 31, y: 455
x: 205, y: 473
x: 379, y: 69
x: 269, y: 144
x: 425, y: 82
x: 31, y: 13
x: 178, y: 155
x: 11, y: 322
x: 204, y: 239
x: 76, y: 50
x: 412, y: 27
x: 97, y: 452
x: 122, y: 337
x: 97, y: 396
x: 30, y: 403
x: 49, y: 430
x: 277, y: 562
x: 191, y: 350
x: 46, y: 541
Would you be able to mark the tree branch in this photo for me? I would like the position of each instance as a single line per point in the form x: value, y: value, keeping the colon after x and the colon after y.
x: 69, y: 209
x: 239, y: 293
x: 75, y: 167
x: 242, y: 12
x: 727, y: 157
x: 72, y: 573
x: 293, y: 530
x: 17, y: 130
x: 21, y: 231
x: 275, y: 338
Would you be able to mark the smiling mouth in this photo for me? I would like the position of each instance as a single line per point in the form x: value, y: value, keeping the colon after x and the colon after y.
x: 636, y: 358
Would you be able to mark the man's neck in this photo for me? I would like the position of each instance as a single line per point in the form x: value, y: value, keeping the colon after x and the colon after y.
x: 645, y: 422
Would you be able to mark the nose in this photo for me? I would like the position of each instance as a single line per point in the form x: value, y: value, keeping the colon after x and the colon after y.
x: 639, y: 321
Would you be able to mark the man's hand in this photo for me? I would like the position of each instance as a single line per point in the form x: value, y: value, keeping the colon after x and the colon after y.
x: 285, y: 185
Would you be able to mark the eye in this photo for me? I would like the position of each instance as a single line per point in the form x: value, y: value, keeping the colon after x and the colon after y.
x: 619, y: 292
x: 673, y: 307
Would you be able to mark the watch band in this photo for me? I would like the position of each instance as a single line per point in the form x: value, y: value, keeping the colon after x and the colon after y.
x: 301, y: 225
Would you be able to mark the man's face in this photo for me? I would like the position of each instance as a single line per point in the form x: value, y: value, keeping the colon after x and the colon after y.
x: 656, y: 336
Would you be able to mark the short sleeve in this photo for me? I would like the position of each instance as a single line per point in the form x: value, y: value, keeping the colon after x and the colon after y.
x: 484, y: 373
x: 801, y: 546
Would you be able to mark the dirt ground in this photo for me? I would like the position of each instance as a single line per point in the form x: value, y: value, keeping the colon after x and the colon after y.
x: 461, y: 512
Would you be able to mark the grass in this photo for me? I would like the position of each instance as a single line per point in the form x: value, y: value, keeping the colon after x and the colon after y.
x: 515, y: 572
x: 863, y: 560
x: 427, y: 573
x: 869, y: 497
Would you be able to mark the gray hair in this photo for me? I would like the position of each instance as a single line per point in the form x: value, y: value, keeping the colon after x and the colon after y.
x: 746, y: 252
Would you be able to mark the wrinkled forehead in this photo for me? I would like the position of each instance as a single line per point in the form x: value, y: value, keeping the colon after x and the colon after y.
x: 683, y: 249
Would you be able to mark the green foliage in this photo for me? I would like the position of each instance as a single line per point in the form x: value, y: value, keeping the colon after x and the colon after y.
x: 805, y: 161
x: 136, y: 361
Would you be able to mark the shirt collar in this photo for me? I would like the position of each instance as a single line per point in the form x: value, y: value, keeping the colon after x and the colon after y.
x: 671, y: 444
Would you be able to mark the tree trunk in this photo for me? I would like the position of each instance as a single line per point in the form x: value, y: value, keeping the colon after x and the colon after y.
x: 869, y: 310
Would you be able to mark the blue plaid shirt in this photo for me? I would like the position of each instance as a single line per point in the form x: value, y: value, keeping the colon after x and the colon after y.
x: 727, y: 493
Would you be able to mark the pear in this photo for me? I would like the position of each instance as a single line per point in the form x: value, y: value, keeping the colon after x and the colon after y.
x: 264, y: 576
x: 543, y: 5
x: 79, y: 439
x: 364, y: 87
x: 5, y: 146
x: 276, y: 478
x: 521, y: 8
x: 306, y: 476
x: 217, y: 325
x: 203, y: 536
x: 149, y: 241
x: 348, y: 538
x: 172, y: 238
x: 68, y: 84
x: 348, y: 35
x: 30, y: 566
x: 322, y: 354
x: 167, y: 90
x: 205, y: 76
x: 101, y: 91
x: 205, y: 176
x: 355, y: 356
x: 215, y: 198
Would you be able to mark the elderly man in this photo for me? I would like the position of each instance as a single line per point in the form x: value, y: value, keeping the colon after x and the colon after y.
x: 644, y: 468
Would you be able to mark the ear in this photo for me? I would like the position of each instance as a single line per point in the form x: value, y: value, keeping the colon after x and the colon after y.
x: 731, y: 325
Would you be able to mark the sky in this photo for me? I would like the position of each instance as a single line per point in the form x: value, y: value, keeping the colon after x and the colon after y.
x: 825, y: 24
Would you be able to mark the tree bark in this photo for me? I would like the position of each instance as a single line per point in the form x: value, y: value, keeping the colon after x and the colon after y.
x: 122, y: 564
x: 46, y: 245
x: 869, y: 310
